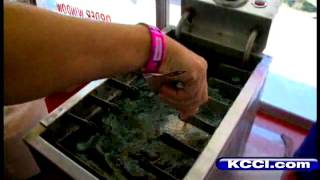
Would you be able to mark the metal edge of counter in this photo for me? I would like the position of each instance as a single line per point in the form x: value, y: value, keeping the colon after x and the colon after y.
x: 285, y: 116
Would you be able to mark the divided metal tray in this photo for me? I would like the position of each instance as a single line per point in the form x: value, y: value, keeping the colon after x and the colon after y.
x: 118, y: 129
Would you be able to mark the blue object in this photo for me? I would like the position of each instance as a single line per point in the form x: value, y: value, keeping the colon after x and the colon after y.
x: 309, y: 149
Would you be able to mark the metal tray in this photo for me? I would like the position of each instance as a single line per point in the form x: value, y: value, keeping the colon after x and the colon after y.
x: 240, y: 82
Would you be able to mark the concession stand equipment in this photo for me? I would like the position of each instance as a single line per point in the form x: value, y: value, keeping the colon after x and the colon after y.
x: 117, y: 128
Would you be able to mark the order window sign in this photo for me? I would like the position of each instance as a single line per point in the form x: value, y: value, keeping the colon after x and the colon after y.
x: 267, y: 164
x: 118, y: 11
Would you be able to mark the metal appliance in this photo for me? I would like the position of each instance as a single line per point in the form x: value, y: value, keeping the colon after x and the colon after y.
x: 230, y: 35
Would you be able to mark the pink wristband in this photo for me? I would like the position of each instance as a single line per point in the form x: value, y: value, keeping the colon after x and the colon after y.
x: 157, y: 50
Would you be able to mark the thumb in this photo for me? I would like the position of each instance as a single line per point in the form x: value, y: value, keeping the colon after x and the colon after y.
x: 179, y: 79
x: 185, y: 115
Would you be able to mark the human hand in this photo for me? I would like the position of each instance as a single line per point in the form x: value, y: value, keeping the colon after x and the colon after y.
x: 195, y: 88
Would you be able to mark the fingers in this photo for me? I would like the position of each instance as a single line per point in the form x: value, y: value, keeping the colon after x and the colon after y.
x: 188, y: 107
x: 186, y: 100
x: 184, y: 115
x: 174, y: 94
x: 179, y: 105
x: 195, y: 91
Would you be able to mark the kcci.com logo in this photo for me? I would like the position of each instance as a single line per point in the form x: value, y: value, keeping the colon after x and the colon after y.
x: 267, y: 164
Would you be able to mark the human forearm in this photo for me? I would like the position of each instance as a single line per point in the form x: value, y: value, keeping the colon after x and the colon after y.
x: 46, y: 52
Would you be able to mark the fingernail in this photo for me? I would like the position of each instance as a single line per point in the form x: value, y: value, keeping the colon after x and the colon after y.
x: 182, y: 117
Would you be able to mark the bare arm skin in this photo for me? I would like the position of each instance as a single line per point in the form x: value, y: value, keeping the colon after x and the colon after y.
x: 46, y: 52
